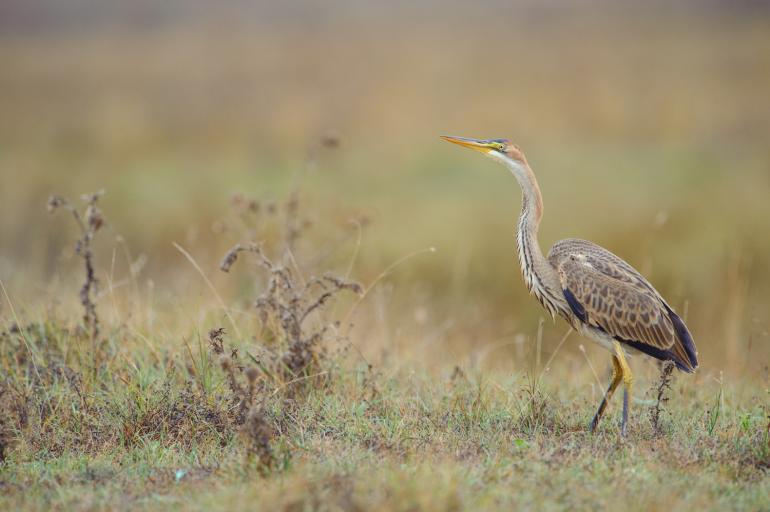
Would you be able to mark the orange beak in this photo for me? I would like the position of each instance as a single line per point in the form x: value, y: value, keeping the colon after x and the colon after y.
x: 483, y: 146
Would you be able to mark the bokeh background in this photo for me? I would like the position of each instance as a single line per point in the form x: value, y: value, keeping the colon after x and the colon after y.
x: 647, y: 124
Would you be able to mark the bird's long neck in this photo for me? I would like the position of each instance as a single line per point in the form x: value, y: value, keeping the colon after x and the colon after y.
x: 540, y: 276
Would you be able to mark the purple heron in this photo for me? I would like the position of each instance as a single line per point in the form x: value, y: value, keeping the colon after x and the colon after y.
x: 601, y: 296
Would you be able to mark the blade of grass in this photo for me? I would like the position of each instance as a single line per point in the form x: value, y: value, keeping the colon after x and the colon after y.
x: 210, y: 285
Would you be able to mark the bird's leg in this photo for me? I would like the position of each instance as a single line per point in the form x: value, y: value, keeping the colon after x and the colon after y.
x: 624, y: 421
x: 617, y: 375
x: 628, y: 381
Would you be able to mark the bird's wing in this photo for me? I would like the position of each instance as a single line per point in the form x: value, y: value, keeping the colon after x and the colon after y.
x: 621, y: 309
x: 607, y: 293
x: 601, y: 260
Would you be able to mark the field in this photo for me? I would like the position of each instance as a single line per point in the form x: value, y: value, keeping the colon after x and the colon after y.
x: 371, y: 345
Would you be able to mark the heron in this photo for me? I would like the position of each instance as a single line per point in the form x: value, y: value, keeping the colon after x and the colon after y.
x: 600, y: 295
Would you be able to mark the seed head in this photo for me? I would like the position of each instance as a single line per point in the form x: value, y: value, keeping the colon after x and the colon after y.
x: 252, y: 373
x: 330, y: 140
x: 55, y: 202
x: 94, y: 217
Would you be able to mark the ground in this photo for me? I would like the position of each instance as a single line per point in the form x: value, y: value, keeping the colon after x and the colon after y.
x: 151, y: 434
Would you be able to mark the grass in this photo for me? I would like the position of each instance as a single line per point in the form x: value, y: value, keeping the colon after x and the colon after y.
x: 285, y: 411
x: 153, y: 436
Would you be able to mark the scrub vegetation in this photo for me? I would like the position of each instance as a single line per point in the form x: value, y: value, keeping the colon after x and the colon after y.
x: 287, y: 414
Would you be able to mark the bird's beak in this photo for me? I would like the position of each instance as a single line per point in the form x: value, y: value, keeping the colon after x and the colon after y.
x: 484, y: 146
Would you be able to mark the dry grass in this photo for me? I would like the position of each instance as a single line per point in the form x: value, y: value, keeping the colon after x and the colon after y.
x: 317, y: 426
x: 667, y: 160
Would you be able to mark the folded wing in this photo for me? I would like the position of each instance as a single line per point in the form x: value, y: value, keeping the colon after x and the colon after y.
x: 605, y: 292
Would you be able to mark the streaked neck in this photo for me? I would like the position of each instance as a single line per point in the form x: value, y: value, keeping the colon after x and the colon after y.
x: 540, y: 277
x: 531, y: 210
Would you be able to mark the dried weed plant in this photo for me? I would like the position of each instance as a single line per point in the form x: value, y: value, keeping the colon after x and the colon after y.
x: 247, y: 404
x: 294, y: 332
x: 660, y: 392
x: 296, y: 325
x: 89, y: 222
x: 258, y: 434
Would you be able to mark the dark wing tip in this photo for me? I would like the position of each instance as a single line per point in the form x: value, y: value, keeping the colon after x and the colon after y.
x: 688, y: 344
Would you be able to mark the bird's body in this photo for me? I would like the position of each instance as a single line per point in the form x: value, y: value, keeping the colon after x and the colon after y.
x: 601, y: 296
x: 607, y: 296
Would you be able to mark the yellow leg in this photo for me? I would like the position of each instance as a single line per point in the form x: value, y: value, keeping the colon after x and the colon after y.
x: 617, y: 376
x: 628, y: 381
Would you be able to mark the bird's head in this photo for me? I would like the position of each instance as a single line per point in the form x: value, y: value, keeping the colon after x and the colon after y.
x: 498, y: 149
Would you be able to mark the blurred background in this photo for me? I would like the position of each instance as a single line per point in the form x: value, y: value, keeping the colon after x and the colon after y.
x: 648, y: 126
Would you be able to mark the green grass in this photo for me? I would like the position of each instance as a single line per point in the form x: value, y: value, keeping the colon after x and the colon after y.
x: 153, y: 434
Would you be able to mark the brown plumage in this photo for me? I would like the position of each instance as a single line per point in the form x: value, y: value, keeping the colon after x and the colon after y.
x: 600, y: 295
x: 606, y: 293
